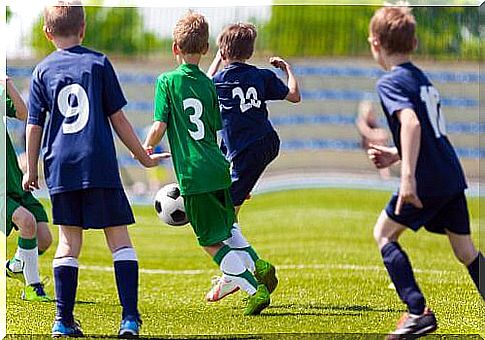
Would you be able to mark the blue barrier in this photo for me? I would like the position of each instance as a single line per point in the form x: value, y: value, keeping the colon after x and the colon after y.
x: 300, y: 70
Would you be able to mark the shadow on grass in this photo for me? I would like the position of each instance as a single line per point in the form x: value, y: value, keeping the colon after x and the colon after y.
x: 334, y: 307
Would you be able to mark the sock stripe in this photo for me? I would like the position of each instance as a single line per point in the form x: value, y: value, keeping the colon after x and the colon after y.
x: 25, y: 243
x: 125, y: 254
x: 221, y: 254
x: 67, y: 261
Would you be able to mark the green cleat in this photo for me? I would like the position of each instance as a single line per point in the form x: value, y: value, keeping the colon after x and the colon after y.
x: 15, y: 274
x: 265, y: 273
x: 259, y: 301
x: 35, y: 292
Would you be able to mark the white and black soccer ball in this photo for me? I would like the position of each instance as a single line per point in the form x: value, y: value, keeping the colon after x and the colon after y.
x: 169, y: 205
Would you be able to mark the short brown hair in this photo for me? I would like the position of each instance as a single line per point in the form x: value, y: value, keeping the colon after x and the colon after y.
x: 191, y: 33
x: 236, y: 41
x: 395, y: 28
x: 65, y: 18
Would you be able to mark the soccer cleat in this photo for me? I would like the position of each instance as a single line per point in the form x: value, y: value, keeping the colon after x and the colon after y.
x: 265, y: 273
x: 63, y: 329
x: 414, y: 324
x: 257, y: 302
x: 15, y: 270
x: 129, y: 328
x: 35, y: 292
x: 221, y: 287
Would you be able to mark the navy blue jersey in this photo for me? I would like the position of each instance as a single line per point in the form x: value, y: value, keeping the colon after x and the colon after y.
x: 438, y: 170
x: 243, y: 91
x: 80, y: 90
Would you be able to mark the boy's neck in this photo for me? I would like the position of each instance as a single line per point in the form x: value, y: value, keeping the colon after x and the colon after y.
x: 232, y: 61
x: 192, y: 59
x: 63, y: 43
x: 394, y: 60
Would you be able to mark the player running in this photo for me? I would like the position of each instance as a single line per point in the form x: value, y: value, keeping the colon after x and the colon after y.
x: 25, y: 213
x: 186, y: 106
x: 432, y: 187
x: 80, y: 90
x: 250, y: 142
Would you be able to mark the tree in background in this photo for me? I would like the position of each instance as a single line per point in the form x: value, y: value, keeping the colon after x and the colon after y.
x: 115, y: 30
x: 8, y: 13
x: 443, y: 32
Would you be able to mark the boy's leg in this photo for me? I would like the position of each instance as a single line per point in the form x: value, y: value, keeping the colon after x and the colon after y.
x: 396, y: 261
x: 467, y: 254
x: 66, y: 267
x: 126, y: 270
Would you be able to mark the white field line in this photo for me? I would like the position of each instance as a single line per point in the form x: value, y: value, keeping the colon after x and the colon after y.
x: 280, y: 267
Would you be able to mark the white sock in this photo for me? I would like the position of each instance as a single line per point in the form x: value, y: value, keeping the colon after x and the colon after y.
x: 234, y: 268
x: 237, y: 242
x: 31, y: 265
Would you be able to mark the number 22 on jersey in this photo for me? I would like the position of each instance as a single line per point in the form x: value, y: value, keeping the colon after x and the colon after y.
x: 431, y: 98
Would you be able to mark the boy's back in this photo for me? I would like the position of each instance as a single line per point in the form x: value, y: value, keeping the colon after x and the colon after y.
x: 79, y: 88
x: 187, y: 101
x: 243, y: 90
x: 438, y: 170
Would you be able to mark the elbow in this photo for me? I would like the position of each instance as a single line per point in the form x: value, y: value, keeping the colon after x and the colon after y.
x: 294, y: 97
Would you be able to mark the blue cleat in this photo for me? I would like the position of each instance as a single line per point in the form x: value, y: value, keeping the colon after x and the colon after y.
x: 129, y: 328
x: 63, y: 329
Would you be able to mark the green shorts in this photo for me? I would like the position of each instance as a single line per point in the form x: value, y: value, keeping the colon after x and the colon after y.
x: 29, y: 202
x: 211, y: 215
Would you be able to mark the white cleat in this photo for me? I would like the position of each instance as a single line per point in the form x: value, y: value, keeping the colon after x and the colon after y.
x: 221, y: 287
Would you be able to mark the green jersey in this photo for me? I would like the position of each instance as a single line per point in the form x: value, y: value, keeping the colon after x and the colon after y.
x: 14, y: 174
x: 186, y: 100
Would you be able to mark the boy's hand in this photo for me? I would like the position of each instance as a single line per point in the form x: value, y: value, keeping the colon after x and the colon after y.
x: 382, y: 156
x: 153, y: 160
x: 407, y: 194
x: 30, y: 182
x: 279, y: 63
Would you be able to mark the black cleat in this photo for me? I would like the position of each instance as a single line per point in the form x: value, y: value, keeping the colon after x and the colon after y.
x: 412, y: 327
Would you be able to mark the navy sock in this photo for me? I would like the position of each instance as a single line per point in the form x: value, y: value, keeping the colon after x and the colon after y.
x: 65, y: 279
x: 401, y: 273
x: 477, y: 266
x: 126, y: 273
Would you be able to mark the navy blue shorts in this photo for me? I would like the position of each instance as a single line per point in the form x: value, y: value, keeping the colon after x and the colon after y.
x: 437, y: 214
x: 95, y: 208
x: 248, y: 166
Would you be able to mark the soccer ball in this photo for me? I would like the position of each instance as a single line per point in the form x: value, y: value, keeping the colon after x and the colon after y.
x: 169, y: 205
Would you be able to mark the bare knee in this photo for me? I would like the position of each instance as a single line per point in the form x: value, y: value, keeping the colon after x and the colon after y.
x: 26, y: 223
x: 386, y: 230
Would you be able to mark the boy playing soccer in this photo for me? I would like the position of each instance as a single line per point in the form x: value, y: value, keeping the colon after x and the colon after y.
x: 25, y: 213
x: 80, y: 90
x: 250, y: 142
x: 186, y: 106
x: 432, y: 187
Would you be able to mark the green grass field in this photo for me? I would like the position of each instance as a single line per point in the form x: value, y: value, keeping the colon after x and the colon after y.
x: 332, y: 279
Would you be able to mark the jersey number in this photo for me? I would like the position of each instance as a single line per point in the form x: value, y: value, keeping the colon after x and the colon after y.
x: 251, y: 96
x: 73, y: 101
x: 431, y: 98
x: 196, y: 105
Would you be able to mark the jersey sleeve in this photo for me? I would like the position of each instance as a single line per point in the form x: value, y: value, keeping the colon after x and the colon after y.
x: 274, y: 87
x: 162, y: 100
x: 113, y: 97
x: 38, y: 104
x: 394, y: 97
x: 10, y: 108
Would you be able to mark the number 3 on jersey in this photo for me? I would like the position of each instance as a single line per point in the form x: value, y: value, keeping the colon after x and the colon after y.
x: 431, y: 98
x: 196, y: 105
x: 73, y: 101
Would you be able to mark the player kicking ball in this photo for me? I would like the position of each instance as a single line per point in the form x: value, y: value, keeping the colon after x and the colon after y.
x: 431, y: 192
x: 186, y: 106
x: 80, y: 90
x: 250, y: 142
x: 25, y: 213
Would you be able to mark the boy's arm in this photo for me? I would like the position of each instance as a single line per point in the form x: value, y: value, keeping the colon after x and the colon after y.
x: 214, y: 67
x: 383, y: 156
x: 294, y: 91
x: 410, y: 145
x: 155, y: 135
x: 124, y: 130
x: 18, y: 102
x: 33, y: 140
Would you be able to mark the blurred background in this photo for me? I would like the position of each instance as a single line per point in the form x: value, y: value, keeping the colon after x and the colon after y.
x: 323, y: 137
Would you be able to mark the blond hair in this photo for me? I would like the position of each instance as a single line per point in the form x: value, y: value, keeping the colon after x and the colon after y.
x: 395, y: 29
x: 64, y: 18
x: 191, y: 33
x: 236, y: 41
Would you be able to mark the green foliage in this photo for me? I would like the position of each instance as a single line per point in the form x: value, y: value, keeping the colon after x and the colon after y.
x: 111, y: 30
x: 8, y: 13
x: 443, y: 32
